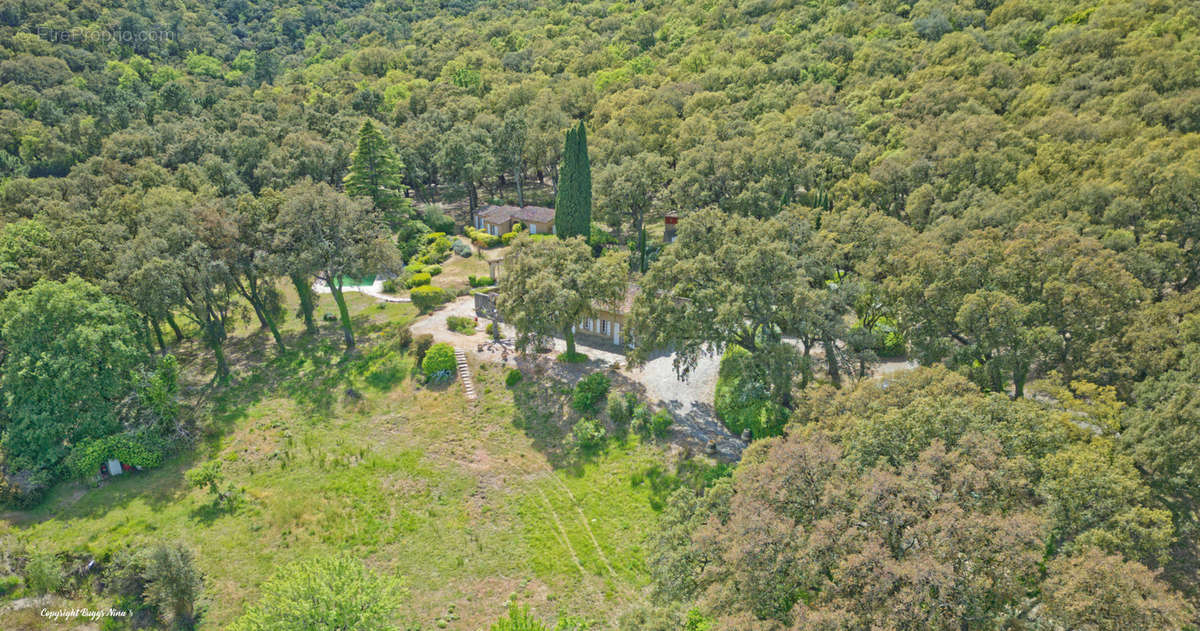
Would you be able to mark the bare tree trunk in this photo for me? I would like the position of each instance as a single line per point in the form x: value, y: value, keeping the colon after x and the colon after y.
x: 158, y: 334
x: 174, y: 327
x: 831, y: 362
x: 306, y: 302
x: 336, y: 291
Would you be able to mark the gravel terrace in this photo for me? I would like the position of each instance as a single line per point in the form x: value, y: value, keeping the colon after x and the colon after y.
x: 691, y: 401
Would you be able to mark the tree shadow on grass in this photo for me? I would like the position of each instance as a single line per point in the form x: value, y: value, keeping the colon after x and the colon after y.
x: 74, y: 499
x: 539, y: 404
x: 542, y: 410
x: 314, y: 372
x: 208, y: 512
x: 696, y: 474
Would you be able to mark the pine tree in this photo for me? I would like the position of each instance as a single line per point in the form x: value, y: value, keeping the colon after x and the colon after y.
x: 376, y: 173
x: 573, y: 207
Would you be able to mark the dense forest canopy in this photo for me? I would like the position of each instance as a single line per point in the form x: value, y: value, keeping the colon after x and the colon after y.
x: 1007, y: 191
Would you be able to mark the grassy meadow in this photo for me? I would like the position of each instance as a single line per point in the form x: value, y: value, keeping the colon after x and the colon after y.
x: 472, y: 504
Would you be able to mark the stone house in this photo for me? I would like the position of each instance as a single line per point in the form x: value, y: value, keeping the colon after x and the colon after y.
x: 498, y: 220
x: 610, y: 322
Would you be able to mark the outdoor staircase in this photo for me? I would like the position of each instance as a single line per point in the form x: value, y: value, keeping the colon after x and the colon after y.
x: 464, y: 373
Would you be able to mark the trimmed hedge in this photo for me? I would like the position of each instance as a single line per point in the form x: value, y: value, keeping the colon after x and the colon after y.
x: 481, y: 238
x: 480, y: 281
x: 426, y: 297
x: 439, y: 363
x: 417, y: 280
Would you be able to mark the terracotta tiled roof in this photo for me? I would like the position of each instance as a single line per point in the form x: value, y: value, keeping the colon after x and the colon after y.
x: 497, y: 214
x: 500, y: 214
x: 539, y: 214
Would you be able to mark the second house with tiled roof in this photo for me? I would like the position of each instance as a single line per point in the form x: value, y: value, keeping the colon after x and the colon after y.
x: 498, y: 220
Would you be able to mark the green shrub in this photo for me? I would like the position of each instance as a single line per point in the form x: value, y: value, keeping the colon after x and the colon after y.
x: 650, y: 424
x: 741, y: 401
x: 9, y: 584
x: 390, y: 287
x: 461, y: 324
x: 621, y: 409
x: 513, y: 377
x: 143, y: 449
x: 416, y: 268
x: 519, y: 619
x: 158, y: 391
x: 387, y: 372
x: 591, y: 392
x: 404, y: 337
x: 27, y: 490
x: 507, y: 237
x: 173, y: 583
x: 433, y: 270
x: 334, y: 592
x: 417, y: 280
x: 588, y: 434
x: 481, y: 238
x: 490, y: 329
x: 572, y: 358
x: 480, y: 281
x: 437, y: 250
x: 209, y: 476
x: 44, y: 574
x: 461, y: 248
x: 438, y: 363
x: 426, y: 297
x: 437, y: 219
x: 660, y: 424
x: 889, y: 341
x: 421, y: 346
x: 411, y: 239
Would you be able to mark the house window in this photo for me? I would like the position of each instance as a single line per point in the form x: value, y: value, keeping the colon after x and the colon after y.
x: 532, y: 228
x: 604, y: 327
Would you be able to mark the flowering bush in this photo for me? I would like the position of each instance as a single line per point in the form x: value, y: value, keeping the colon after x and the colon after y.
x: 438, y: 363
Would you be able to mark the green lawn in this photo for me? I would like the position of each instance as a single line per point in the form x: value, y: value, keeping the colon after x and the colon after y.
x: 472, y: 505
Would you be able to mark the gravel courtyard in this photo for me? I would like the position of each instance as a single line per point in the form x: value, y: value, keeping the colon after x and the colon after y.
x: 691, y: 401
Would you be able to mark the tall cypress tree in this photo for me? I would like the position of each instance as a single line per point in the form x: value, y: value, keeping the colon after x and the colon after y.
x: 573, y: 207
x: 585, y: 183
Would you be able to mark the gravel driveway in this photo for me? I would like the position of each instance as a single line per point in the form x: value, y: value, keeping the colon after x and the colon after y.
x: 690, y: 401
